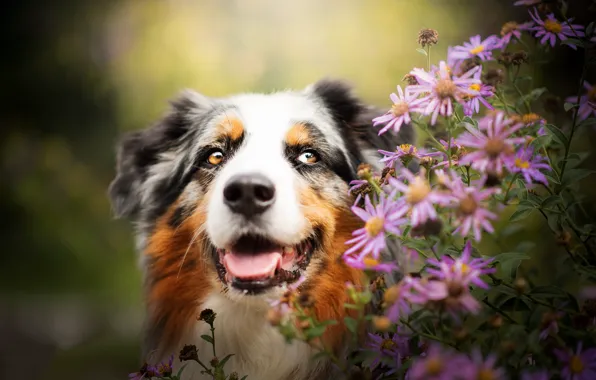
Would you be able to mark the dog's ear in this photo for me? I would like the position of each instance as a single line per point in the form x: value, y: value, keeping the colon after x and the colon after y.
x: 139, y: 151
x: 355, y: 116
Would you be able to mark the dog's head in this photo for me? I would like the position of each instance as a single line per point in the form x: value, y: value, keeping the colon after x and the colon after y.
x: 262, y: 179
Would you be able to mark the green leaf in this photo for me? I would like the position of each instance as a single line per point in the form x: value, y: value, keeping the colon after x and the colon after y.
x: 548, y: 291
x: 572, y: 42
x: 590, y: 29
x: 421, y: 51
x: 180, y: 370
x: 520, y: 214
x: 576, y: 175
x: 541, y: 141
x: 553, y: 199
x: 314, y: 332
x: 509, y: 262
x: 591, y: 121
x: 223, y: 361
x: 207, y: 338
x: 567, y: 106
x: 557, y: 133
x: 351, y: 324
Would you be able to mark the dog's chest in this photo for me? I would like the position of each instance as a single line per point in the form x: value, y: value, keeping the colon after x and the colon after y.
x: 260, y: 351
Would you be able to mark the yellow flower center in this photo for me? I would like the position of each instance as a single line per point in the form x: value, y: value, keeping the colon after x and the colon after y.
x: 387, y: 344
x: 576, y: 365
x: 477, y: 49
x: 374, y: 225
x: 418, y: 189
x: 399, y: 109
x: 434, y: 366
x: 407, y: 147
x: 508, y: 27
x: 553, y: 26
x: 468, y: 205
x: 494, y: 147
x: 486, y: 374
x: 370, y: 261
x: 445, y: 88
x: 530, y: 118
x: 521, y: 163
x: 392, y: 294
x: 475, y: 87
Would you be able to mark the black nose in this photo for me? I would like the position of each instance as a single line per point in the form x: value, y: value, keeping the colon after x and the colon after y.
x: 249, y: 194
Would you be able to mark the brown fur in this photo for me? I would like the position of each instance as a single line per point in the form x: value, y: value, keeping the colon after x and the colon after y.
x: 231, y: 127
x: 298, y: 135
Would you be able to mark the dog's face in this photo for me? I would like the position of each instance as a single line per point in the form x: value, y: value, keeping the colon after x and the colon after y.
x: 262, y: 180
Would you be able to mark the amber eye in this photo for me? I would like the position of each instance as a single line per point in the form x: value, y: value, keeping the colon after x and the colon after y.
x: 308, y: 157
x: 216, y: 157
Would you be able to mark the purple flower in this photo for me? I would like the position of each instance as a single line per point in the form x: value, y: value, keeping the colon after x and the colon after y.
x: 398, y: 297
x: 145, y: 373
x: 475, y: 48
x: 551, y: 28
x: 578, y: 365
x: 392, y: 346
x: 528, y: 165
x: 536, y: 375
x: 480, y: 92
x: 512, y: 29
x: 404, y: 153
x: 164, y: 369
x: 399, y: 113
x: 439, y: 89
x: 379, y: 219
x: 587, y: 102
x: 370, y: 263
x: 484, y: 368
x: 419, y: 199
x: 464, y: 270
x: 437, y: 364
x: 494, y: 146
x: 470, y: 213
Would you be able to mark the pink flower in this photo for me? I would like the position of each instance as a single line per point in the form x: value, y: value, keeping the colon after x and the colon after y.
x: 380, y: 219
x: 528, y: 165
x: 438, y: 363
x: 578, y: 365
x: 481, y: 91
x: 512, y: 29
x: 419, y: 198
x: 587, y: 102
x: 439, y: 89
x: 475, y: 48
x: 404, y: 153
x: 551, y: 28
x: 484, y: 368
x: 494, y: 146
x: 527, y: 3
x: 399, y: 113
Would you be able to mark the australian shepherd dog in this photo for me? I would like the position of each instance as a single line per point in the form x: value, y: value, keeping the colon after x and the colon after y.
x: 233, y: 197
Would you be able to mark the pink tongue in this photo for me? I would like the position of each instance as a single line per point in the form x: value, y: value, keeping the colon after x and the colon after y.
x: 251, y: 266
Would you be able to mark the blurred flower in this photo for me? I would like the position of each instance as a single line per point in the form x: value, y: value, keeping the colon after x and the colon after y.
x: 399, y: 113
x: 550, y: 324
x: 428, y: 37
x: 578, y: 365
x: 535, y: 375
x: 494, y: 146
x: 387, y: 345
x: 404, y: 153
x: 528, y: 165
x: 370, y: 263
x: 437, y: 364
x: 481, y: 91
x: 379, y: 219
x: 527, y: 3
x: 484, y: 368
x: 528, y: 119
x: 439, y: 89
x: 475, y: 48
x: 512, y: 29
x: 494, y: 77
x: 419, y: 198
x: 164, y: 369
x: 457, y: 152
x: 551, y: 28
x: 587, y: 102
x: 145, y: 373
x: 470, y: 214
x: 463, y: 270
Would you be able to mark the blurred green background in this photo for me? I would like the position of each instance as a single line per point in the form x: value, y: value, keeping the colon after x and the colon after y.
x: 76, y: 74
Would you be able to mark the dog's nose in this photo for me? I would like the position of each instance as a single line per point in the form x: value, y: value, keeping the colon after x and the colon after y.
x: 249, y: 194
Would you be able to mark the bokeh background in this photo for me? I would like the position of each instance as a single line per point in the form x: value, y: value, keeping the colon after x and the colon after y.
x: 77, y: 74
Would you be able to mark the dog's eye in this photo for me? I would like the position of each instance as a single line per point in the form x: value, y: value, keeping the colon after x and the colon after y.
x: 215, y: 158
x: 308, y: 157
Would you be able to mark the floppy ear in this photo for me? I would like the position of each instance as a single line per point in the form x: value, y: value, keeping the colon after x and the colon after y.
x: 139, y: 153
x: 356, y: 117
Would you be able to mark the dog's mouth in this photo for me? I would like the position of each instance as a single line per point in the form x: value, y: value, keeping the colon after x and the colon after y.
x: 254, y: 264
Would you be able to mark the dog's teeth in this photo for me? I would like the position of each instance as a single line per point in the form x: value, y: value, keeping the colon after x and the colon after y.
x: 288, y: 250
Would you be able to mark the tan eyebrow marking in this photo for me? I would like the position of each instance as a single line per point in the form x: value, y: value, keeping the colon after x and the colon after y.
x: 298, y: 135
x: 231, y: 127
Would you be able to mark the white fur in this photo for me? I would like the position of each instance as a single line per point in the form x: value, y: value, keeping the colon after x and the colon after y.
x: 259, y: 350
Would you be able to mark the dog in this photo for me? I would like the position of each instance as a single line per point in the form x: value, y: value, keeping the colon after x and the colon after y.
x: 233, y: 197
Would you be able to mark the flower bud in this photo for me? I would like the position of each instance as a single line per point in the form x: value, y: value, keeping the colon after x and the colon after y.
x: 381, y: 323
x: 428, y: 37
